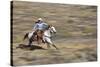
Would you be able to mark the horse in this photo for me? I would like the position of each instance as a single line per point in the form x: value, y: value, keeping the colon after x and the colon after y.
x: 45, y: 37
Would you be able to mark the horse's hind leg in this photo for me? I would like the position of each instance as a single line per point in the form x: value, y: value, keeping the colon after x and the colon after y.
x: 30, y: 42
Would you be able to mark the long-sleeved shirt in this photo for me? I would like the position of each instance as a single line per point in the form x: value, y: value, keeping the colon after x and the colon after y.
x: 41, y: 26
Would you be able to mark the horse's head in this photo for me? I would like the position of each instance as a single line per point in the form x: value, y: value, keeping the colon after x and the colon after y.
x: 52, y: 29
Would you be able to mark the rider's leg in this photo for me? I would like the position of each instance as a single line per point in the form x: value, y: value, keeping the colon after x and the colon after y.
x: 42, y: 33
x: 38, y: 40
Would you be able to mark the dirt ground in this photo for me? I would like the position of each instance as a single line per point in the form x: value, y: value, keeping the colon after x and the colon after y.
x: 69, y: 52
x: 76, y: 35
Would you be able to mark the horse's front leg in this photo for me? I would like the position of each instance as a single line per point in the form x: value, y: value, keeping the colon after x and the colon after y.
x: 48, y: 45
x: 54, y: 46
x: 49, y: 41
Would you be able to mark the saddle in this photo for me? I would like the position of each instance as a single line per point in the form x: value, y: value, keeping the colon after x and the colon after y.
x: 38, y: 34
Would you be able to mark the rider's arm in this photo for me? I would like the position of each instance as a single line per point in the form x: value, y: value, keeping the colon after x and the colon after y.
x: 35, y: 26
x: 45, y: 23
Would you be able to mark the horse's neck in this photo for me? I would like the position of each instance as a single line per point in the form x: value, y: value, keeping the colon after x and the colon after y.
x: 47, y: 33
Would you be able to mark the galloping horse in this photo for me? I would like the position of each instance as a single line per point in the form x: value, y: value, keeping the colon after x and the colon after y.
x: 40, y: 36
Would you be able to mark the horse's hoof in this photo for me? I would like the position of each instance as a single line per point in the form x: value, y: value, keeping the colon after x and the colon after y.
x: 28, y: 45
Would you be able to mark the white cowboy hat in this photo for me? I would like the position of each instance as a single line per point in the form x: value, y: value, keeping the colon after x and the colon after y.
x: 40, y: 19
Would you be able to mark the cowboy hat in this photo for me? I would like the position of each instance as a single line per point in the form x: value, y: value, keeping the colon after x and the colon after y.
x: 40, y: 19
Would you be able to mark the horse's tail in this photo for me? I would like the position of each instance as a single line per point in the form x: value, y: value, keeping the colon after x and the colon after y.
x: 26, y: 36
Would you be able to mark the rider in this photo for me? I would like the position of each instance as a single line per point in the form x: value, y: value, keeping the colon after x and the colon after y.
x: 40, y: 25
